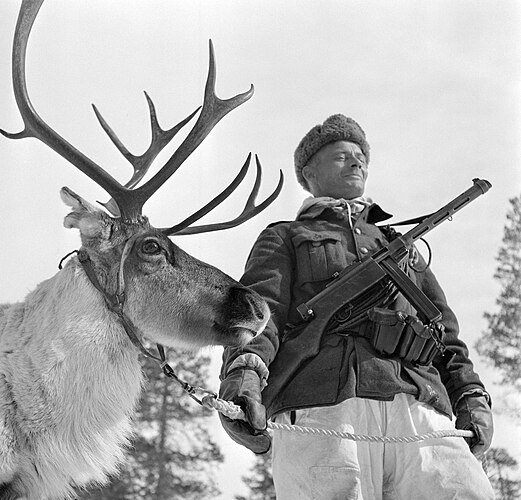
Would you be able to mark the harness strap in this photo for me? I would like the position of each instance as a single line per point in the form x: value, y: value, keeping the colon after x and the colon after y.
x: 189, y: 389
x: 115, y: 304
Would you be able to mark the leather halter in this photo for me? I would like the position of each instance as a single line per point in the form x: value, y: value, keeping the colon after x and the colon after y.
x: 115, y: 303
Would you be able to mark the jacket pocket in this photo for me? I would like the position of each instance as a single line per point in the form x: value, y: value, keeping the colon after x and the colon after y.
x: 318, y: 255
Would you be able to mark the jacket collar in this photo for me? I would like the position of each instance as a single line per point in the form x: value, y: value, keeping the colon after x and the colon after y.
x: 376, y: 214
x: 372, y: 213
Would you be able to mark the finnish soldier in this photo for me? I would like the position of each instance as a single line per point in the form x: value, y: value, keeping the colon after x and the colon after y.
x: 348, y: 377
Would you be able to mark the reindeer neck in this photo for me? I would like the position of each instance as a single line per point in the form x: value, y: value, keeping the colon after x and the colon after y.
x: 68, y: 345
x: 79, y: 311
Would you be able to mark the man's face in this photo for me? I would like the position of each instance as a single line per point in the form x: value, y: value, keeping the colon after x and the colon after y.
x: 338, y: 170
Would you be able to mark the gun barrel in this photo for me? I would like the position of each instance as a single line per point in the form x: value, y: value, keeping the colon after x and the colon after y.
x: 480, y: 186
x: 483, y: 184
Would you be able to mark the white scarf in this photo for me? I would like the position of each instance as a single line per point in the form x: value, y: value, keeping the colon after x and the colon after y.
x: 312, y: 207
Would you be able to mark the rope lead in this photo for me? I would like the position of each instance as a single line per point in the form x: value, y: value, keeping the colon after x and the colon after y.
x: 231, y: 410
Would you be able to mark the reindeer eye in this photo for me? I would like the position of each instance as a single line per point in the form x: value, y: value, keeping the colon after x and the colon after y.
x: 150, y: 247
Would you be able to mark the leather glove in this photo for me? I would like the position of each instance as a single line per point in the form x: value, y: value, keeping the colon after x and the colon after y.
x: 473, y: 413
x: 243, y: 387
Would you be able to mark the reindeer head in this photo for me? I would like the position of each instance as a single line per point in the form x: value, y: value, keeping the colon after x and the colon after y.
x: 169, y: 295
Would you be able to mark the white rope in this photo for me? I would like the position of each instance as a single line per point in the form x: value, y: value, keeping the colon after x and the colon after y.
x: 235, y: 412
x: 373, y: 439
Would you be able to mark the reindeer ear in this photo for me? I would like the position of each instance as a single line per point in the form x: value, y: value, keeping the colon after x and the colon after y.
x: 89, y: 219
x: 76, y: 202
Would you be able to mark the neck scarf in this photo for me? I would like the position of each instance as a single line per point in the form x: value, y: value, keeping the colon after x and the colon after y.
x: 345, y: 209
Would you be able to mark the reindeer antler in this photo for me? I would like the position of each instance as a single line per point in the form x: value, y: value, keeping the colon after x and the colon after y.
x: 130, y: 201
x: 250, y: 209
x: 34, y: 126
x: 141, y: 163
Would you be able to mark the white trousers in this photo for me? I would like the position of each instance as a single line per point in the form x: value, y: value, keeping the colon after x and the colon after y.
x: 318, y: 467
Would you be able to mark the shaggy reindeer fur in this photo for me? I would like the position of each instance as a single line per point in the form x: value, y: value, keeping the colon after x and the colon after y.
x: 70, y: 377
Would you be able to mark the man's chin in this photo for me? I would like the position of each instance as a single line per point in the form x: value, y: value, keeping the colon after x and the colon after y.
x: 349, y: 194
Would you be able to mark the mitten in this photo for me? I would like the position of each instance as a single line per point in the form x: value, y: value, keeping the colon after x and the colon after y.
x: 242, y: 386
x: 473, y: 413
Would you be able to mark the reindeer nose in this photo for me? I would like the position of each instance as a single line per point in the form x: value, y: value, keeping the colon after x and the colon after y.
x: 251, y: 303
x: 256, y: 305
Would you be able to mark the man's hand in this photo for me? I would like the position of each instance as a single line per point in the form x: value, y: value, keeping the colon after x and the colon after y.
x: 242, y: 386
x: 473, y: 413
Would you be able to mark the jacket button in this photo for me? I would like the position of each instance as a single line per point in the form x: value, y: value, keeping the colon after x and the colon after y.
x: 357, y: 230
x: 315, y: 243
x: 364, y: 250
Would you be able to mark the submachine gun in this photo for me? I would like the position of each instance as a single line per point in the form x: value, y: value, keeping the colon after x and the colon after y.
x: 384, y: 265
x: 303, y: 342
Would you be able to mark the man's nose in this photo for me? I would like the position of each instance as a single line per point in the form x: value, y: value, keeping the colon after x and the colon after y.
x: 356, y: 163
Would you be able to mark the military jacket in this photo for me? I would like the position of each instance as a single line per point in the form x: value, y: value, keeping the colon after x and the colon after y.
x: 291, y: 262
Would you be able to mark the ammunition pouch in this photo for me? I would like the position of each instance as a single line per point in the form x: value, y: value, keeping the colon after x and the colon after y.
x: 395, y: 333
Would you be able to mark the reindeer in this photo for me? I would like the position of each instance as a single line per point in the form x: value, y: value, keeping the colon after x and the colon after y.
x: 69, y: 371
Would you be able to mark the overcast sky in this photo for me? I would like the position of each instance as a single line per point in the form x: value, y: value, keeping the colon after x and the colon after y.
x: 435, y: 85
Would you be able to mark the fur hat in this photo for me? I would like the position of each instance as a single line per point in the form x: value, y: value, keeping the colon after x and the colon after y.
x: 335, y: 128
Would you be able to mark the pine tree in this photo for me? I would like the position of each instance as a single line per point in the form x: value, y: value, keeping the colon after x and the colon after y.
x: 260, y: 481
x: 501, y: 342
x: 173, y: 456
x: 499, y: 465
